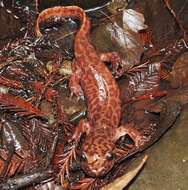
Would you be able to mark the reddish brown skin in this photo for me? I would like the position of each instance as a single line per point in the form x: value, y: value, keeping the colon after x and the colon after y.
x: 100, y: 90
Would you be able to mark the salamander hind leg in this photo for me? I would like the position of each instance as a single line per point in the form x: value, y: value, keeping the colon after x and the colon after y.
x: 115, y: 60
x: 129, y: 129
x: 74, y: 81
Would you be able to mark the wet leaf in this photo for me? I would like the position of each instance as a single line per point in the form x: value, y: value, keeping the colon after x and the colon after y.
x: 168, y: 110
x: 123, y: 181
x: 179, y: 74
x: 127, y: 37
x: 144, y: 81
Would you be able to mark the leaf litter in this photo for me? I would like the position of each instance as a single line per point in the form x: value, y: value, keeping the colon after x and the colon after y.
x: 139, y: 79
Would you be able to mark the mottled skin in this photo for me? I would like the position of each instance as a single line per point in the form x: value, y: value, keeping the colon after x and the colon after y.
x: 92, y: 79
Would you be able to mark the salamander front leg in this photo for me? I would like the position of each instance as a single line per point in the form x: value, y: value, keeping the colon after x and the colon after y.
x: 115, y: 60
x: 83, y: 127
x: 130, y: 130
x: 74, y: 81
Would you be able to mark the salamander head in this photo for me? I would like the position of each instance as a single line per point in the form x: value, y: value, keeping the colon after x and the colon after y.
x: 97, y: 153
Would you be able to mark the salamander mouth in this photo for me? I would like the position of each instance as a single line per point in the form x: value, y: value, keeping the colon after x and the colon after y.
x: 97, y: 171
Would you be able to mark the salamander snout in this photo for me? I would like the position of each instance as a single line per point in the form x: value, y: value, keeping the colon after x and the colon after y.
x: 97, y: 156
x: 97, y: 167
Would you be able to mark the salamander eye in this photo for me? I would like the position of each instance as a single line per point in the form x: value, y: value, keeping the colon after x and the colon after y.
x: 109, y: 156
x: 83, y: 157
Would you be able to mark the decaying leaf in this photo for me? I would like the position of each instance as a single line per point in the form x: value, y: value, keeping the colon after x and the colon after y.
x: 123, y: 181
x: 179, y: 75
x: 127, y: 39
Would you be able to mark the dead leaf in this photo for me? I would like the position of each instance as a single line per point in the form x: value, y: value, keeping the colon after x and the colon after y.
x: 123, y: 181
x: 127, y: 39
x: 145, y: 81
x: 179, y: 75
x: 127, y: 43
x: 133, y: 20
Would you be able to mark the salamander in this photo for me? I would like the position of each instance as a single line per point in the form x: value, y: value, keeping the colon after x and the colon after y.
x: 92, y: 79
